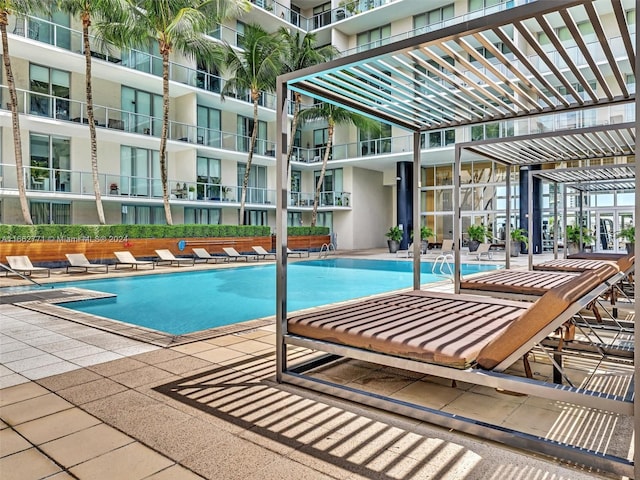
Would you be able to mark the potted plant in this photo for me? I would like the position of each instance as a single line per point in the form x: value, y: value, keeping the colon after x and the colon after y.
x: 113, y: 188
x: 192, y: 192
x: 394, y: 236
x: 425, y: 233
x: 477, y: 234
x: 628, y: 234
x: 573, y: 238
x: 518, y: 237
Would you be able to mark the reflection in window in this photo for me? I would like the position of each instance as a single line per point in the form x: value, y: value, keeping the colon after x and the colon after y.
x: 50, y: 92
x: 202, y: 216
x: 142, y: 215
x: 50, y: 213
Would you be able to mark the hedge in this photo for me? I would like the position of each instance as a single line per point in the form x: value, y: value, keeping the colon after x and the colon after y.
x: 59, y: 232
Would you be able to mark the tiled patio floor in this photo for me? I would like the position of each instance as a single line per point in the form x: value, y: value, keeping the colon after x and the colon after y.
x: 81, y: 403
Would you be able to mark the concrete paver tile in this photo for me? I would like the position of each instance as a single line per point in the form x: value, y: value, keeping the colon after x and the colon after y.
x: 21, y: 392
x: 142, y: 376
x: 27, y: 465
x: 90, y: 391
x: 183, y: 365
x: 11, y: 442
x: 133, y: 461
x: 56, y: 425
x: 12, y: 380
x: 111, y: 368
x: 85, y: 444
x: 219, y: 355
x: 195, y: 347
x: 175, y: 472
x: 70, y: 379
x: 17, y: 413
x: 49, y: 370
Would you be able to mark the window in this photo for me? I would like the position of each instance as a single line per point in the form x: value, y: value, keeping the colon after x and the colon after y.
x: 149, y: 61
x: 142, y: 215
x: 294, y: 219
x: 481, y: 4
x: 145, y: 111
x: 208, y: 78
x: 325, y: 219
x: 631, y: 20
x: 492, y: 130
x: 374, y: 144
x: 240, y: 27
x: 320, y: 137
x: 441, y: 138
x: 255, y: 217
x: 209, y: 126
x: 208, y: 178
x: 203, y: 216
x: 50, y: 163
x: 433, y: 17
x: 45, y: 28
x: 140, y: 172
x: 296, y: 185
x: 245, y: 128
x: 50, y: 92
x: 373, y: 38
x: 50, y: 213
x: 257, y: 186
x: 564, y: 34
x: 331, y: 186
x: 322, y: 15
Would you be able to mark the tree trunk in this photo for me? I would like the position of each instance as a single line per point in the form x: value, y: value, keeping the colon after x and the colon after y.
x: 325, y: 161
x: 15, y: 120
x: 165, y: 132
x: 294, y: 125
x: 255, y: 96
x: 86, y: 22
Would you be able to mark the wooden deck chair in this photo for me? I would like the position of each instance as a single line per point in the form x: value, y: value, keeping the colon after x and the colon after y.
x: 165, y: 256
x: 126, y: 258
x: 22, y: 264
x: 201, y: 254
x: 80, y: 261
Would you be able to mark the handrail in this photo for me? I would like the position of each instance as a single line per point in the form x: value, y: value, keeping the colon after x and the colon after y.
x: 326, y: 248
x: 24, y: 277
x: 440, y: 262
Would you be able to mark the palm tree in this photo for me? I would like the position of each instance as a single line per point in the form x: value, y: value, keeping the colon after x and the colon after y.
x: 301, y: 52
x: 178, y: 26
x: 17, y: 7
x: 86, y: 10
x: 334, y: 116
x: 253, y: 69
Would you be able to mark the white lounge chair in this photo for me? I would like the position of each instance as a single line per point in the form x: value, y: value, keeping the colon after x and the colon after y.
x: 202, y: 254
x: 483, y: 251
x: 262, y: 253
x: 233, y: 254
x: 79, y: 260
x: 22, y: 264
x: 165, y: 256
x: 299, y: 253
x: 126, y: 258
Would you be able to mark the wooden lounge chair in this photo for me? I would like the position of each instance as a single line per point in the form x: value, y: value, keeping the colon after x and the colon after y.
x: 80, y: 261
x: 126, y: 258
x: 200, y: 254
x: 299, y: 253
x: 165, y: 256
x: 262, y: 253
x: 234, y: 255
x: 22, y: 264
x: 483, y: 251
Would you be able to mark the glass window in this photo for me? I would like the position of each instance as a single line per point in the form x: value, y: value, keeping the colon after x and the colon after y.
x: 142, y: 215
x: 294, y: 219
x: 373, y: 38
x: 255, y: 217
x: 322, y: 15
x: 245, y: 129
x: 50, y: 162
x: 208, y: 178
x: 257, y: 185
x: 140, y: 172
x: 50, y: 92
x: 50, y: 213
x: 209, y: 126
x: 145, y: 111
x: 204, y: 216
x: 432, y: 17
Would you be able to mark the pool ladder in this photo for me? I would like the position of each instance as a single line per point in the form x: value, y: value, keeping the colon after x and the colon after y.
x: 326, y: 250
x: 25, y: 277
x: 442, y: 266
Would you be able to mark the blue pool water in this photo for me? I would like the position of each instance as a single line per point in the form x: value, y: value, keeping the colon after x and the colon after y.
x: 190, y: 301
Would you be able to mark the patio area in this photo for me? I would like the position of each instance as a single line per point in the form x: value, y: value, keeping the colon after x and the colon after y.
x: 78, y: 402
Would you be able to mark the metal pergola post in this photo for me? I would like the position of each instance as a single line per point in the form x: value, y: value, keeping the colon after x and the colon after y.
x: 507, y: 227
x: 555, y: 220
x: 417, y: 237
x: 530, y: 217
x: 457, y: 220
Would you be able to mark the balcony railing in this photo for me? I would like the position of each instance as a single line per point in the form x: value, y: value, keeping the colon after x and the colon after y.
x: 61, y: 181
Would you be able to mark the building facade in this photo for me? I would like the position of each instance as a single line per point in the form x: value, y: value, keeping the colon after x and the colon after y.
x: 209, y: 136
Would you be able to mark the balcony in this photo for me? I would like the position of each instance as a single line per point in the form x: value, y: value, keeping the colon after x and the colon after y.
x: 41, y: 182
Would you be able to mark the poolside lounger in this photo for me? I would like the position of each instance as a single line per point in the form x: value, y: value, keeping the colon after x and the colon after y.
x: 126, y: 258
x: 624, y: 264
x: 80, y: 261
x: 299, y: 253
x: 202, y: 254
x: 22, y: 264
x: 262, y: 253
x: 483, y: 251
x: 233, y: 254
x: 165, y: 256
x: 405, y: 253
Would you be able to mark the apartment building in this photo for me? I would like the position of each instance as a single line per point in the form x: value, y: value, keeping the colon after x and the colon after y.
x: 208, y: 137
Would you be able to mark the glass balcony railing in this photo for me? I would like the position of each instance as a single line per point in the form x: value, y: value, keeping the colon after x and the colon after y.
x: 121, y: 187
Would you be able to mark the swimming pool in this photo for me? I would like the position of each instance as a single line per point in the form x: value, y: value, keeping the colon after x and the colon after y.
x: 190, y: 301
